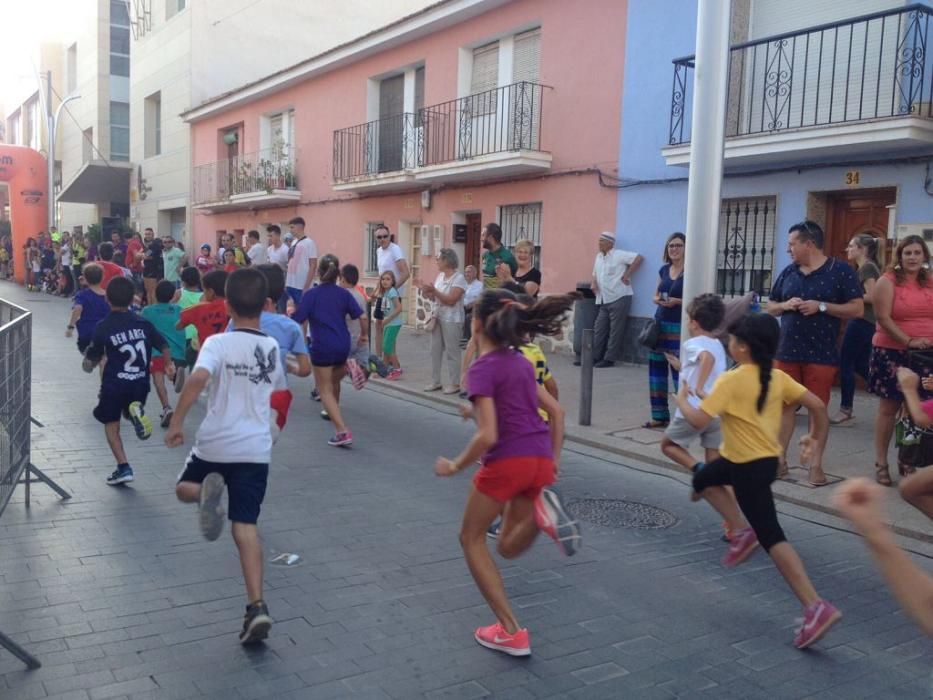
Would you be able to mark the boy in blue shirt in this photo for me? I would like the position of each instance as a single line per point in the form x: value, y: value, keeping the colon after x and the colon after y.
x: 127, y: 341
x: 164, y: 316
x: 90, y: 307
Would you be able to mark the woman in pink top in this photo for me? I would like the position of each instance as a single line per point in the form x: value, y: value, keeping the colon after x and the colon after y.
x: 903, y: 301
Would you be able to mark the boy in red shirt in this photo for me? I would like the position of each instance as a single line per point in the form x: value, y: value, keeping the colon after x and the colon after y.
x: 210, y: 316
x: 110, y: 268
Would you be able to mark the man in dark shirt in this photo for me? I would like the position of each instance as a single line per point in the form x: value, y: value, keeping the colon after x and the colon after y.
x: 126, y: 340
x: 812, y: 296
x: 152, y: 264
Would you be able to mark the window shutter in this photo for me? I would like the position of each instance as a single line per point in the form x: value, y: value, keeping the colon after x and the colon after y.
x: 527, y: 56
x: 485, y: 68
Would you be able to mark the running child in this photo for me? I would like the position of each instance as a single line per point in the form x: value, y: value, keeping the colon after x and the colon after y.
x: 127, y: 342
x: 749, y: 457
x: 90, y: 307
x: 360, y: 357
x: 326, y: 307
x: 391, y: 322
x: 189, y: 295
x: 164, y: 315
x: 917, y: 489
x: 520, y: 453
x: 210, y: 315
x: 233, y: 445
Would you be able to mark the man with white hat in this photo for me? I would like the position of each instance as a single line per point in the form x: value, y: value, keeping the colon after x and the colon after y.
x: 612, y: 274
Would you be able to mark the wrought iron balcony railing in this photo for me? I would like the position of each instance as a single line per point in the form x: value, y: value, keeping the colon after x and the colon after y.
x: 496, y: 121
x: 869, y: 67
x: 264, y: 171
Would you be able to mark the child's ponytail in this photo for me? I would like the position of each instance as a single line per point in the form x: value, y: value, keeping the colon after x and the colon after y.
x: 508, y: 321
x: 760, y: 332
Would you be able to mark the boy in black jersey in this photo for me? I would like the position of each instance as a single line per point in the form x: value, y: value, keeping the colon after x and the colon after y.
x: 126, y: 340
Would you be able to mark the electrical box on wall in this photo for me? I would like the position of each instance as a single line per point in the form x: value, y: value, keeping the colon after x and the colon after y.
x: 460, y: 233
x: 925, y: 231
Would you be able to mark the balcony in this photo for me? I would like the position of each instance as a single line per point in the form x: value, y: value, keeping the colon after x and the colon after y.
x: 860, y: 86
x: 265, y: 179
x: 487, y: 135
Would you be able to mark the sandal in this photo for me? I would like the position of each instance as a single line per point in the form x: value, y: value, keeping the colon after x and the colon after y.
x: 817, y: 482
x: 655, y: 424
x: 905, y: 469
x: 841, y: 417
x: 883, y: 474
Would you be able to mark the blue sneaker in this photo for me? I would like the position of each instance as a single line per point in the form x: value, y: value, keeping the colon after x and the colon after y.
x: 377, y: 366
x: 121, y: 475
x: 493, y: 531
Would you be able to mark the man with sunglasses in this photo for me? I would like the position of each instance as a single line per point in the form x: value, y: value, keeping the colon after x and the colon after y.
x: 302, y: 261
x: 390, y: 258
x: 812, y: 296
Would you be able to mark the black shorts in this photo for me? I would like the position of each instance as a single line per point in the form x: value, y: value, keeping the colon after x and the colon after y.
x: 328, y: 361
x: 246, y: 484
x: 83, y: 343
x: 114, y: 401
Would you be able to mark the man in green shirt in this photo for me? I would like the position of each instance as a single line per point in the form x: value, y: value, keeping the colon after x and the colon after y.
x: 172, y: 257
x: 494, y: 255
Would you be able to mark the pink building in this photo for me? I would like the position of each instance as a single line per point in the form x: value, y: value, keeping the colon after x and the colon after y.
x: 468, y: 112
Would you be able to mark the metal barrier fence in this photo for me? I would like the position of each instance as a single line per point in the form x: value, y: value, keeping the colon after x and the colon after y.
x: 16, y: 423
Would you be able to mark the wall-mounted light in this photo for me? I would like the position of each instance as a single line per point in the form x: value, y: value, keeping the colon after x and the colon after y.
x: 231, y: 137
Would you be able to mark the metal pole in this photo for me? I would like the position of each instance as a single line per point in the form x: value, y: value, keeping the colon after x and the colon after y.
x: 586, y: 376
x: 711, y: 82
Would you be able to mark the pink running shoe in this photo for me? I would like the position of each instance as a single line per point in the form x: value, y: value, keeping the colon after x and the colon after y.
x: 394, y: 375
x: 741, y: 547
x: 344, y: 439
x: 554, y: 521
x: 495, y: 637
x: 357, y: 376
x: 817, y: 619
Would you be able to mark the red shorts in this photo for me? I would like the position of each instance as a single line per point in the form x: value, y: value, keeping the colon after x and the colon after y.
x: 157, y: 365
x: 817, y: 378
x: 504, y: 479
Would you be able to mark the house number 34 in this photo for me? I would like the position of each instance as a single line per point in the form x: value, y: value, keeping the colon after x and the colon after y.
x: 853, y: 177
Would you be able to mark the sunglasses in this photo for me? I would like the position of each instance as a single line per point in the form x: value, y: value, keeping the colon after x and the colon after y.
x: 381, y: 238
x: 675, y: 245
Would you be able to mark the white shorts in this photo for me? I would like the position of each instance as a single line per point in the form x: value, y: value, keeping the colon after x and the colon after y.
x: 679, y: 431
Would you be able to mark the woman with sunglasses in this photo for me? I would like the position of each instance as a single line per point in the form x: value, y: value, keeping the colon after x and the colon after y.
x: 669, y: 298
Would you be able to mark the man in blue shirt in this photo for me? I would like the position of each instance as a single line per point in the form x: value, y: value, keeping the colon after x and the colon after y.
x: 812, y: 296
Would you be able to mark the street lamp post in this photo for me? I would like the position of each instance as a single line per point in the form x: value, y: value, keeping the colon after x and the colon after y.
x: 53, y: 130
x: 711, y: 77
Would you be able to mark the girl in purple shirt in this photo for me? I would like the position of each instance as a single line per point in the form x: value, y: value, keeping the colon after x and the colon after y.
x: 519, y: 453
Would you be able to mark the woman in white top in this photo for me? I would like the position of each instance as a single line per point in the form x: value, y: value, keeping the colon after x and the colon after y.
x: 447, y: 291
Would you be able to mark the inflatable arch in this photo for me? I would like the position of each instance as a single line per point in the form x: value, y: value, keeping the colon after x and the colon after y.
x: 24, y: 172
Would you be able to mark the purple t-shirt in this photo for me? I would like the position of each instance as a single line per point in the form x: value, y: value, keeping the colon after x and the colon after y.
x: 326, y: 308
x: 509, y: 379
x: 94, y: 308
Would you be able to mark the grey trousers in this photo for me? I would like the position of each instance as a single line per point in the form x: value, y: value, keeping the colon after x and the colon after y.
x: 609, y: 332
x: 445, y: 344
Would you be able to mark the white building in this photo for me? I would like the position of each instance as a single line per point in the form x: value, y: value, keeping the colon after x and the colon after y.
x: 186, y: 51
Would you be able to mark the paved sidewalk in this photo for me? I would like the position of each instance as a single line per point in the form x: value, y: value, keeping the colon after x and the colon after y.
x: 620, y: 408
x: 119, y: 596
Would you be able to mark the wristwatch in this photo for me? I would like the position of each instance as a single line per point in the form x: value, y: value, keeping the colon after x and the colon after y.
x: 822, y: 307
x: 71, y: 328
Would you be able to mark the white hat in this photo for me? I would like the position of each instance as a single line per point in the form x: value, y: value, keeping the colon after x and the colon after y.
x: 607, y: 236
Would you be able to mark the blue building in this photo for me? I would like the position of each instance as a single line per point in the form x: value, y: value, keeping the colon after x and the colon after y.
x: 829, y: 118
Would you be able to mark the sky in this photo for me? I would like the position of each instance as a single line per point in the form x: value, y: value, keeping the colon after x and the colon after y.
x: 26, y: 24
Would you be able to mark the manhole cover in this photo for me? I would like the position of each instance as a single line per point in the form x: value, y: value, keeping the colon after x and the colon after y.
x: 612, y: 512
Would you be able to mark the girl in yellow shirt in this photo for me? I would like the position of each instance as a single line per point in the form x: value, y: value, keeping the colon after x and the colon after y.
x: 750, y: 401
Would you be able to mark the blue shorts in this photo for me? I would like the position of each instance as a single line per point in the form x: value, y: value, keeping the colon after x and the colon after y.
x: 246, y: 485
x: 114, y: 400
x: 294, y: 293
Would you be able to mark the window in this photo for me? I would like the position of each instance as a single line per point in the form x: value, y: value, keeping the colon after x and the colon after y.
x: 31, y: 128
x: 281, y: 139
x: 152, y: 115
x: 745, y: 248
x: 119, y: 39
x: 372, y: 259
x: 72, y: 69
x: 485, y: 79
x: 526, y: 56
x: 14, y: 130
x: 87, y: 146
x: 522, y: 222
x: 173, y: 7
x: 119, y: 131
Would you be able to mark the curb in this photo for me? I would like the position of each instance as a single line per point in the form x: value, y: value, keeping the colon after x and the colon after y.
x: 397, y: 391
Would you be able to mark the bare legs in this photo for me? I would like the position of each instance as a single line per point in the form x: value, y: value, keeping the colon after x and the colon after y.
x: 112, y: 431
x: 246, y: 537
x: 327, y: 380
x: 884, y: 429
x: 158, y: 381
x: 516, y: 536
x: 917, y: 490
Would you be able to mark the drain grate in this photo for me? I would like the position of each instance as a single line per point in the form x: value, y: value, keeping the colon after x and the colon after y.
x: 615, y: 513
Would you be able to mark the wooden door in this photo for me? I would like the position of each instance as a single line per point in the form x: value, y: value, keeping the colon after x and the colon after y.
x: 474, y: 224
x: 851, y: 213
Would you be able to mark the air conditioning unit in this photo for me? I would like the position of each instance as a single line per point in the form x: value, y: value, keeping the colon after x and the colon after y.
x: 925, y: 231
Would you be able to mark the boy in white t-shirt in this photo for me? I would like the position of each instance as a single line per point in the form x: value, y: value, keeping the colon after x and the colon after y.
x: 233, y: 446
x: 702, y: 360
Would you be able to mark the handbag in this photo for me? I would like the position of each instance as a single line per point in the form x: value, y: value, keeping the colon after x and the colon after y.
x: 650, y: 334
x: 914, y: 444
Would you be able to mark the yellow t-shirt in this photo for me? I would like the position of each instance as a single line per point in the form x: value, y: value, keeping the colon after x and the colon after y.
x: 536, y: 357
x: 748, y: 435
